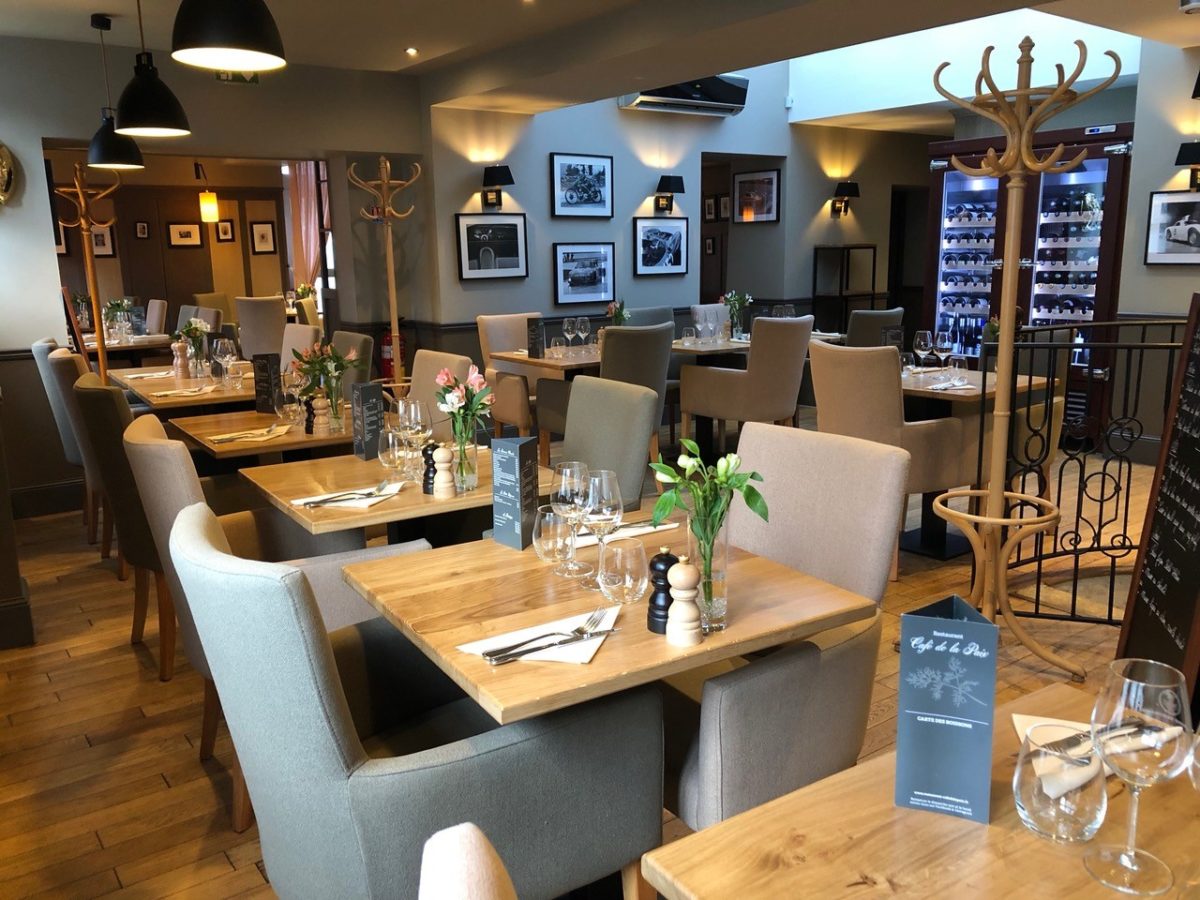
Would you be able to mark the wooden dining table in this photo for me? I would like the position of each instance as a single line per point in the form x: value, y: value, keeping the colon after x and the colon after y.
x: 134, y: 348
x: 844, y: 836
x: 199, y: 432
x: 584, y: 361
x: 443, y: 598
x: 240, y: 391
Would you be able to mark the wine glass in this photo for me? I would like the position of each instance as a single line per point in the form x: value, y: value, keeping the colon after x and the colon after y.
x: 225, y: 352
x: 605, y: 510
x: 551, y: 535
x: 922, y: 345
x: 393, y: 452
x: 418, y: 428
x: 583, y: 327
x: 568, y: 330
x: 570, y: 499
x: 1141, y: 724
x: 943, y: 346
x: 624, y: 572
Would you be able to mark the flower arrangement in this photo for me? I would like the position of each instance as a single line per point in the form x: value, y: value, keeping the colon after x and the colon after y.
x: 115, y: 307
x: 466, y: 402
x: 322, y: 364
x: 616, y: 312
x: 304, y: 289
x: 735, y: 302
x: 194, y: 332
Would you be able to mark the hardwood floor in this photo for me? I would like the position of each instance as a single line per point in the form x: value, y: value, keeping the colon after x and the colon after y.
x: 101, y: 790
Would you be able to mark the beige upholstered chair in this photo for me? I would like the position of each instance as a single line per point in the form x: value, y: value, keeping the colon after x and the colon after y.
x: 186, y: 314
x: 217, y: 300
x: 512, y: 383
x: 306, y: 312
x: 297, y: 337
x: 156, y: 316
x: 460, y: 863
x: 421, y: 385
x: 640, y: 354
x: 865, y: 326
x: 774, y: 723
x: 363, y: 346
x: 260, y: 325
x: 608, y: 427
x: 766, y: 391
x: 211, y: 317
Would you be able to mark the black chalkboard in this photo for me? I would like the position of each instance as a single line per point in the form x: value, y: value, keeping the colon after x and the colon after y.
x: 536, y: 334
x: 266, y: 381
x: 366, y: 412
x: 1162, y: 620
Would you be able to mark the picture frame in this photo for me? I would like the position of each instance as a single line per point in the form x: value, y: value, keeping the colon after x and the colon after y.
x: 61, y: 247
x: 262, y: 238
x: 660, y: 246
x: 103, y: 241
x: 491, y: 245
x: 756, y: 197
x: 185, y: 234
x: 225, y: 232
x: 723, y: 207
x: 581, y: 185
x: 710, y: 208
x: 584, y: 272
x: 710, y: 247
x: 1173, y: 229
x: 141, y: 231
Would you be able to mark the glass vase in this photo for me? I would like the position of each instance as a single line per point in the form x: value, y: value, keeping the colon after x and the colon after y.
x: 333, y: 391
x: 197, y: 352
x: 711, y: 556
x: 466, y: 462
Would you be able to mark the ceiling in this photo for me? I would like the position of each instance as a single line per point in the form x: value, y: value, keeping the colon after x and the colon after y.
x: 1155, y: 20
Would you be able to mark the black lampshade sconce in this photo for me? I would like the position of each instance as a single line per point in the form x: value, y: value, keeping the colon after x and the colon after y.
x: 841, y: 198
x: 147, y: 107
x: 1196, y: 89
x: 109, y: 150
x: 1189, y: 155
x: 664, y: 194
x: 227, y: 35
x: 494, y: 178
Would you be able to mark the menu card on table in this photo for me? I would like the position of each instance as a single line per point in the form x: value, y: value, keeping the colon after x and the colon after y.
x: 366, y: 414
x: 946, y: 708
x: 514, y: 490
x: 536, y: 338
x: 266, y: 381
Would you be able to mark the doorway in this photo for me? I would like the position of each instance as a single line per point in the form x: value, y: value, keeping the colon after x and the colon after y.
x: 908, y: 254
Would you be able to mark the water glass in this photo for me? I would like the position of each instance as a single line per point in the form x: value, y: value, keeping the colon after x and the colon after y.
x: 552, y: 541
x: 392, y: 452
x: 1059, y: 790
x: 688, y: 336
x: 958, y: 371
x: 557, y: 348
x: 624, y: 571
x: 908, y: 362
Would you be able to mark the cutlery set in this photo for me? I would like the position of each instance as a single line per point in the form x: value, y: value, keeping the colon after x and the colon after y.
x: 498, y: 656
x: 365, y: 494
x: 242, y: 435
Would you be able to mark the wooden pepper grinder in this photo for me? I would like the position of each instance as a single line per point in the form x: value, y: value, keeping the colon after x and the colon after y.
x: 321, y: 420
x: 443, y: 481
x: 660, y: 592
x: 179, y: 364
x: 430, y: 468
x: 683, y: 618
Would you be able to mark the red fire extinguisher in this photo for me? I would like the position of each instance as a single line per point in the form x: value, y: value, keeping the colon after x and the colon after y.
x: 387, y: 368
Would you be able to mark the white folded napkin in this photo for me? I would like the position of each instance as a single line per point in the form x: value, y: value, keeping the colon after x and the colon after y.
x: 186, y: 392
x: 167, y: 373
x: 590, y: 540
x: 144, y: 337
x: 579, y: 652
x: 745, y: 341
x: 256, y: 435
x: 355, y: 502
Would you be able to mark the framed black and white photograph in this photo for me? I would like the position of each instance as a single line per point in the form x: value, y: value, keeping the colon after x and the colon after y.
x: 756, y: 196
x: 191, y: 235
x: 1173, y: 231
x: 102, y: 241
x: 723, y: 207
x: 660, y: 246
x: 710, y: 247
x: 141, y: 231
x: 583, y: 273
x: 225, y: 233
x: 581, y: 185
x: 60, y: 239
x: 710, y: 208
x: 262, y: 238
x: 491, y: 245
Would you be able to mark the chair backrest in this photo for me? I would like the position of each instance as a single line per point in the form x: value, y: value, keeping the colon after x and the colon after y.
x: 363, y: 346
x: 66, y: 434
x: 650, y: 315
x: 186, y: 314
x: 460, y: 863
x: 287, y: 713
x: 865, y: 326
x: 216, y: 300
x: 776, y: 362
x: 65, y: 369
x: 297, y: 337
x: 306, y: 311
x: 608, y: 427
x: 210, y: 316
x: 425, y: 368
x: 167, y: 482
x: 506, y: 332
x: 639, y: 354
x: 260, y: 326
x: 156, y: 316
x: 841, y: 494
x: 105, y: 414
x: 858, y: 391
x: 710, y: 314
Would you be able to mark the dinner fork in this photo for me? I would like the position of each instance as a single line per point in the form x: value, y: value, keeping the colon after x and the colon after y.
x: 592, y: 621
x: 242, y: 435
x: 366, y: 494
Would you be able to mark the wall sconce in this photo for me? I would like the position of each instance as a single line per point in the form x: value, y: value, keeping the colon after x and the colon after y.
x: 494, y: 178
x: 841, y: 198
x: 1189, y: 155
x: 209, y: 211
x: 664, y: 194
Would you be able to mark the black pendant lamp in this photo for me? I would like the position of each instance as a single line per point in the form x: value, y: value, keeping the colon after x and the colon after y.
x: 109, y: 150
x: 227, y: 35
x: 147, y: 107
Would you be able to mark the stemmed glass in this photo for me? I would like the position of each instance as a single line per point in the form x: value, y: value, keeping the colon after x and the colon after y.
x: 570, y: 500
x: 922, y: 345
x: 943, y: 346
x: 568, y: 329
x: 605, y: 510
x: 225, y: 352
x: 1141, y: 725
x: 418, y: 428
x: 583, y: 327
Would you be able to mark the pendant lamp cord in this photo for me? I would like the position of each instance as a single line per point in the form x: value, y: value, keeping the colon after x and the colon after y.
x: 141, y: 31
x: 104, y: 66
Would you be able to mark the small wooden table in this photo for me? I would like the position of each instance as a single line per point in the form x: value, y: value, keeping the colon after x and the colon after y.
x: 443, y: 598
x: 134, y: 348
x: 145, y: 388
x: 559, y: 367
x: 918, y: 385
x: 197, y: 431
x: 284, y: 482
x: 696, y: 348
x: 844, y: 837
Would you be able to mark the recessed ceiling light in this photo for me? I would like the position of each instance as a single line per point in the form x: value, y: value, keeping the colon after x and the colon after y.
x: 412, y: 51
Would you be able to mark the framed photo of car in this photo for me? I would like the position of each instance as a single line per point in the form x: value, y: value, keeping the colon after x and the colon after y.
x: 756, y: 197
x: 491, y: 245
x: 1173, y: 230
x: 584, y: 273
x: 185, y: 235
x: 660, y: 246
x: 581, y: 185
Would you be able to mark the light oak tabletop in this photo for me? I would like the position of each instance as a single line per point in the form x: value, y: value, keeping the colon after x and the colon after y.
x: 453, y: 595
x: 284, y: 482
x: 696, y: 348
x: 134, y: 342
x: 145, y: 389
x: 922, y: 385
x: 198, y: 431
x: 582, y: 360
x: 844, y: 837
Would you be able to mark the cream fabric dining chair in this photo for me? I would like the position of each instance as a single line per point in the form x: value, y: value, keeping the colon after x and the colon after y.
x: 773, y: 723
x: 865, y: 326
x: 421, y: 385
x: 217, y: 300
x: 460, y: 863
x: 156, y: 316
x: 512, y: 383
x: 297, y: 337
x: 363, y: 346
x: 211, y: 317
x: 349, y: 780
x: 260, y: 326
x: 187, y: 312
x: 306, y: 311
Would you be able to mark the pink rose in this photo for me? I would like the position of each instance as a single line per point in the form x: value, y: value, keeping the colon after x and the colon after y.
x: 444, y: 378
x: 475, y: 381
x: 489, y: 399
x: 352, y: 356
x: 461, y: 393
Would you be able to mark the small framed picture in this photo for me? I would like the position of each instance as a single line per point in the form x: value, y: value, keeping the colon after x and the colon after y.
x: 60, y: 239
x: 710, y: 247
x: 757, y: 196
x: 660, y: 246
x: 722, y: 207
x: 1173, y: 229
x: 185, y: 235
x: 225, y: 234
x: 710, y: 208
x: 141, y: 231
x: 102, y: 241
x: 262, y: 238
x: 583, y: 273
x: 491, y: 245
x: 581, y: 185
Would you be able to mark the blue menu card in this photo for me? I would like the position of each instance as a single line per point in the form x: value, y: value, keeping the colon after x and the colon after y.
x: 946, y: 708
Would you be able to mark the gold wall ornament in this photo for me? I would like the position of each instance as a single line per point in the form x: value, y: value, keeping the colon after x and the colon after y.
x: 999, y: 529
x: 8, y: 174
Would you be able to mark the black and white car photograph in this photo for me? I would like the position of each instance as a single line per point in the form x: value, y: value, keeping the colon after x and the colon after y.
x: 583, y: 273
x: 491, y: 245
x: 661, y: 246
x: 581, y: 185
x: 1173, y: 231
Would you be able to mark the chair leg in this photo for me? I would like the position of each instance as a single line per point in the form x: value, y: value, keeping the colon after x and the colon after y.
x: 141, y: 598
x: 106, y: 528
x: 523, y: 431
x: 544, y: 447
x: 122, y: 563
x: 166, y: 628
x: 243, y: 812
x: 93, y: 515
x: 211, y: 717
x: 721, y: 436
x: 672, y: 417
x: 784, y: 422
x: 633, y: 885
x: 654, y: 449
x: 498, y: 429
x: 685, y: 426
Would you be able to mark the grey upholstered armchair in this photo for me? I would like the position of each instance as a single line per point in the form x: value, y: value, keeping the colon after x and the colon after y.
x: 865, y: 327
x: 640, y: 354
x: 349, y: 780
x: 260, y: 325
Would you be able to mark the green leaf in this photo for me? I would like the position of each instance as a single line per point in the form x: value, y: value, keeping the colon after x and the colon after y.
x: 690, y: 446
x: 665, y: 470
x: 754, y: 476
x: 664, y: 506
x: 756, y: 503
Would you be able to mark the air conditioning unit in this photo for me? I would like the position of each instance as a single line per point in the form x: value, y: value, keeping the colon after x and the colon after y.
x: 717, y: 95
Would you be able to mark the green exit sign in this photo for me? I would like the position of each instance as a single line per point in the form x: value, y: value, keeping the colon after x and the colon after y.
x: 238, y: 77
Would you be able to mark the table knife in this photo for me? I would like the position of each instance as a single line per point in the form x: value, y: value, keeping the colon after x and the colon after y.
x: 525, y: 651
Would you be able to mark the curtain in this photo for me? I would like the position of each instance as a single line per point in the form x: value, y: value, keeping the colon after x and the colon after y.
x: 305, y: 227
